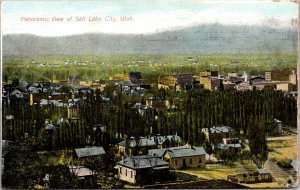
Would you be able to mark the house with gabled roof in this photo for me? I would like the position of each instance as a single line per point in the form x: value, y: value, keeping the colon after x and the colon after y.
x: 215, y: 135
x: 142, y: 169
x: 229, y: 144
x: 141, y: 145
x: 181, y: 157
x: 134, y: 146
x: 86, y: 177
x: 185, y: 157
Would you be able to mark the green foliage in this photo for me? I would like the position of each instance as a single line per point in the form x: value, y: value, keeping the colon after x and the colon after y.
x: 95, y: 67
x: 23, y: 168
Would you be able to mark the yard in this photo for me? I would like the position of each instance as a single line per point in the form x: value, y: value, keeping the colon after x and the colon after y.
x: 221, y: 171
x: 279, y: 148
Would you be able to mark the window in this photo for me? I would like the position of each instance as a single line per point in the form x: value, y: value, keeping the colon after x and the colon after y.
x: 191, y: 161
x: 126, y: 172
x: 131, y: 174
x: 175, y: 162
x: 120, y: 170
x: 200, y: 161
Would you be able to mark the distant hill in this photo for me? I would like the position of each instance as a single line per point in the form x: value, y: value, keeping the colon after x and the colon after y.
x: 214, y: 38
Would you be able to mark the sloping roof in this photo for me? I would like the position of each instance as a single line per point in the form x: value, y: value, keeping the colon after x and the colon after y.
x: 141, y: 162
x: 146, y: 142
x: 161, y: 139
x: 91, y: 151
x: 157, y: 152
x: 45, y: 102
x: 81, y: 171
x: 226, y: 146
x: 223, y: 129
x: 184, y: 151
x: 141, y: 142
x: 130, y: 143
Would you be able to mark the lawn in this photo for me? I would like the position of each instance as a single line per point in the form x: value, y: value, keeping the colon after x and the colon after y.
x: 221, y: 171
x: 284, y: 148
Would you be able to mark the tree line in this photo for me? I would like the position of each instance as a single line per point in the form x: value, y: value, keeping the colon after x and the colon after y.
x: 197, y: 109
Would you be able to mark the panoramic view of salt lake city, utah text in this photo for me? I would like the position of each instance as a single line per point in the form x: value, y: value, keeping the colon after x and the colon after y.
x: 178, y: 94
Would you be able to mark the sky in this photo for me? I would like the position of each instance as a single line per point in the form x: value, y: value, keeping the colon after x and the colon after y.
x: 146, y: 16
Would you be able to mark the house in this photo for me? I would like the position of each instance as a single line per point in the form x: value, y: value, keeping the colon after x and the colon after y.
x: 229, y: 144
x: 141, y: 146
x: 185, y: 157
x: 215, y: 135
x: 87, y: 178
x: 89, y: 152
x: 142, y: 169
x: 166, y: 141
x: 134, y: 146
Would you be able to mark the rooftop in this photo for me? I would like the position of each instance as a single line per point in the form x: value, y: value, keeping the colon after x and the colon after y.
x: 90, y: 151
x: 185, y: 151
x: 81, y: 171
x: 141, y: 162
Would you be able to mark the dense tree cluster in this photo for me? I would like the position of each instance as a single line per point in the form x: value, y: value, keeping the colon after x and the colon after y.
x: 250, y: 111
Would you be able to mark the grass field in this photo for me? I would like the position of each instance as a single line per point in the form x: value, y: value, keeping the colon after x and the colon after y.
x: 221, y: 171
x: 284, y: 148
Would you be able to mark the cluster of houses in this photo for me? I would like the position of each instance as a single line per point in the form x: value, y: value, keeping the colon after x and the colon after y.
x: 143, y: 158
x: 147, y: 158
x: 132, y: 84
x: 283, y: 79
x: 223, y: 138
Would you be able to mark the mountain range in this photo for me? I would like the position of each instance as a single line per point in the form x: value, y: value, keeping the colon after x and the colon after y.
x: 210, y: 38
